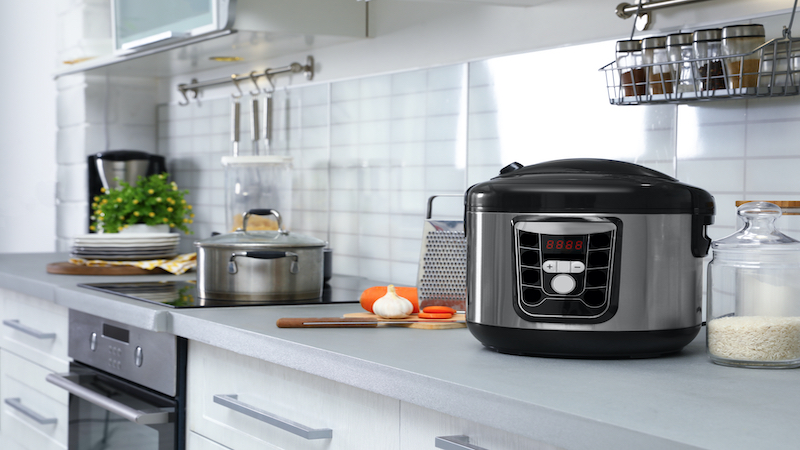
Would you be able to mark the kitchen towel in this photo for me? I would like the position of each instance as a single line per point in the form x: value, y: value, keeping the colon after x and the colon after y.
x: 178, y: 265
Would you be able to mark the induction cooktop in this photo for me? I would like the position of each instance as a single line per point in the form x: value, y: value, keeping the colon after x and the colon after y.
x: 183, y: 293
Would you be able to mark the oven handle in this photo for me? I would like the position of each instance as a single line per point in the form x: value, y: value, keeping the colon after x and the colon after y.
x: 150, y: 417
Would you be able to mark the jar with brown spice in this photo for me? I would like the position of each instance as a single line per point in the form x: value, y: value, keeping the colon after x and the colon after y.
x: 707, y: 50
x: 742, y: 40
x: 629, y: 63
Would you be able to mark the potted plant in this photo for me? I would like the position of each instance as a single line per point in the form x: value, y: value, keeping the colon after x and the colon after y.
x: 153, y: 201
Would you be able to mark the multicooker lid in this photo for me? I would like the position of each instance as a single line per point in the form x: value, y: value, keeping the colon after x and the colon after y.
x: 588, y: 186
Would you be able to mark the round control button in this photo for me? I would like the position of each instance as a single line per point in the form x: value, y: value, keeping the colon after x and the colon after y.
x: 562, y: 284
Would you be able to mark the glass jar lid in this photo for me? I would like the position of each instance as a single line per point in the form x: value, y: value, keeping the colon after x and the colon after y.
x: 759, y: 235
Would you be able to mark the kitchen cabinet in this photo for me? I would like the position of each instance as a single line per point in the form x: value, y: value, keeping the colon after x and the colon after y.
x: 242, y: 402
x: 33, y: 344
x: 262, y: 29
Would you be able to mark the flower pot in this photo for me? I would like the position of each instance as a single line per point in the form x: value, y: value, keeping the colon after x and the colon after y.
x: 141, y: 228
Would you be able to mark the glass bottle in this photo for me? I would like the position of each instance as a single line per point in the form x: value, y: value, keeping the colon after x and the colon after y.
x: 707, y: 50
x: 753, y: 309
x: 680, y: 53
x: 742, y: 40
x: 629, y: 64
x: 659, y: 72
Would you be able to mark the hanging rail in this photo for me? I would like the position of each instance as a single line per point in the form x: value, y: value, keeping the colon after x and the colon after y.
x: 195, y: 86
x: 626, y: 10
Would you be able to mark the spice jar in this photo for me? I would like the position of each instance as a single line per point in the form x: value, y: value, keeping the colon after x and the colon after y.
x: 753, y: 314
x: 629, y: 64
x: 659, y: 73
x: 679, y: 51
x: 707, y: 50
x: 742, y: 40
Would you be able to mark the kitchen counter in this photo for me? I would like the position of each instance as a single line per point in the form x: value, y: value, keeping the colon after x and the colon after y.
x: 673, y: 402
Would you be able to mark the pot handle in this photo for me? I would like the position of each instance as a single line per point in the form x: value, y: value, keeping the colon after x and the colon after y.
x: 233, y: 268
x: 263, y: 212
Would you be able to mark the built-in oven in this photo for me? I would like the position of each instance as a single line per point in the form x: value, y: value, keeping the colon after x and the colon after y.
x: 126, y: 386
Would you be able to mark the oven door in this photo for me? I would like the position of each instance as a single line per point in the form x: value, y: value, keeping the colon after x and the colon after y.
x: 106, y: 412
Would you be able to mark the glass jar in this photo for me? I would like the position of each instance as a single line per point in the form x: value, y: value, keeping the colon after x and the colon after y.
x: 742, y: 40
x: 629, y: 64
x: 680, y: 53
x: 659, y: 72
x: 753, y: 313
x: 707, y: 50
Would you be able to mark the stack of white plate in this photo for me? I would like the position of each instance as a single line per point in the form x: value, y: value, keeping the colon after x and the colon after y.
x: 126, y: 246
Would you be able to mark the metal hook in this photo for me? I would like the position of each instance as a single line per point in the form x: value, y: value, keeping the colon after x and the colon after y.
x: 182, y: 89
x: 269, y: 80
x: 253, y: 79
x: 236, y: 83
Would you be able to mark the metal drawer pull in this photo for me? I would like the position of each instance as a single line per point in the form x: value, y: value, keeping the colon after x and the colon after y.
x: 455, y: 443
x: 28, y: 330
x: 232, y: 401
x: 148, y: 417
x: 41, y: 420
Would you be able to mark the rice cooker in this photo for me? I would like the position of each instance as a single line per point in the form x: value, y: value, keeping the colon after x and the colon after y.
x: 585, y: 258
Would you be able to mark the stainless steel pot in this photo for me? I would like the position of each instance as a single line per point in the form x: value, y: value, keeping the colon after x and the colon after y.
x: 260, y: 265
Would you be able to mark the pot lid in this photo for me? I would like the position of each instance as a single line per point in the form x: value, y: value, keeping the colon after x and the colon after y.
x: 759, y: 232
x: 260, y: 239
x: 588, y: 186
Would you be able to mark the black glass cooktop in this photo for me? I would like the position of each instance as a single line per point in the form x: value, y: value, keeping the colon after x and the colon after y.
x: 183, y: 294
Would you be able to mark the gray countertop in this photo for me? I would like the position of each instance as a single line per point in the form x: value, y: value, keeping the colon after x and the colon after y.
x: 678, y: 401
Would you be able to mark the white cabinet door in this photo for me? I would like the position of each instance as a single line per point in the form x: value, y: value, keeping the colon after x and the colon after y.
x: 195, y: 441
x: 35, y: 329
x: 419, y: 428
x: 34, y: 412
x: 263, y: 405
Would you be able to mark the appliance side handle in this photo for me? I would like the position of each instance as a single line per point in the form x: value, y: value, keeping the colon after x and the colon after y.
x: 151, y: 417
x: 700, y: 240
x: 232, y: 401
x: 455, y: 443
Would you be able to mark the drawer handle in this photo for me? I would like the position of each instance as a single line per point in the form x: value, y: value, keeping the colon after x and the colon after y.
x: 40, y: 419
x: 28, y: 330
x: 455, y: 443
x: 232, y: 401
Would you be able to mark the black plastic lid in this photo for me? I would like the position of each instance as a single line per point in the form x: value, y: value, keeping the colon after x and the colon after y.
x: 588, y: 186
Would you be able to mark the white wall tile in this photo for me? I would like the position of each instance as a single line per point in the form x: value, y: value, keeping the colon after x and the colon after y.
x: 772, y: 176
x: 713, y: 176
x: 773, y: 138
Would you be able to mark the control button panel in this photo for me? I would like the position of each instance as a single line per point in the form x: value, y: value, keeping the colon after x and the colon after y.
x: 564, y: 269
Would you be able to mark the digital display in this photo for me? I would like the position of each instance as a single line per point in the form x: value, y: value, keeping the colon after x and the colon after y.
x: 118, y: 334
x: 564, y: 244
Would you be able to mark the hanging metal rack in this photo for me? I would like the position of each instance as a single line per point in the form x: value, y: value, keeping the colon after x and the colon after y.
x: 195, y: 86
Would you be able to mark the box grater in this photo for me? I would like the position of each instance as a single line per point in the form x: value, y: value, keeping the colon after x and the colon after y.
x: 442, y: 277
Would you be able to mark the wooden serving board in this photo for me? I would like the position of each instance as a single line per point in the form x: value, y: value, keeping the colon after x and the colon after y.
x: 67, y: 268
x: 457, y: 321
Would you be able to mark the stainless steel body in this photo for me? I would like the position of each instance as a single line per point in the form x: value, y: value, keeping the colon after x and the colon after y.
x: 259, y: 279
x: 659, y: 287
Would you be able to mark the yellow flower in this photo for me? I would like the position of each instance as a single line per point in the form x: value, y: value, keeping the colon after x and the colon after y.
x: 96, y: 198
x: 189, y: 206
x: 94, y: 205
x: 119, y: 199
x: 191, y: 215
x: 185, y: 220
x: 121, y: 217
x: 158, y: 199
x: 169, y: 209
x: 172, y: 225
x: 135, y: 201
x: 166, y: 220
x: 136, y: 213
x: 150, y: 191
x: 105, y: 200
x: 102, y: 189
x: 99, y: 212
x: 92, y: 227
x: 152, y: 214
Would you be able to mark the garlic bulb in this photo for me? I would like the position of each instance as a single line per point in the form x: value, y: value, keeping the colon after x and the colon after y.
x: 392, y: 306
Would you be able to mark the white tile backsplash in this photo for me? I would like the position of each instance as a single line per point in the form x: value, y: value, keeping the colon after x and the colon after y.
x: 368, y: 152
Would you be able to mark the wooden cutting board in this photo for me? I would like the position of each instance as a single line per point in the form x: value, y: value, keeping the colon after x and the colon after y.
x: 67, y: 268
x: 457, y: 321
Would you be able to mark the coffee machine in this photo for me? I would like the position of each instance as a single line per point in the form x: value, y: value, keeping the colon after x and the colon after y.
x: 107, y: 169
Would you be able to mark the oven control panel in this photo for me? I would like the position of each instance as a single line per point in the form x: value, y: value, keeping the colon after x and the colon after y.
x: 565, y: 268
x: 145, y: 357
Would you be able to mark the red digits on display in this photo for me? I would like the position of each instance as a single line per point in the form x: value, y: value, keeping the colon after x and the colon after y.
x: 549, y: 245
x: 568, y: 246
x: 578, y: 245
